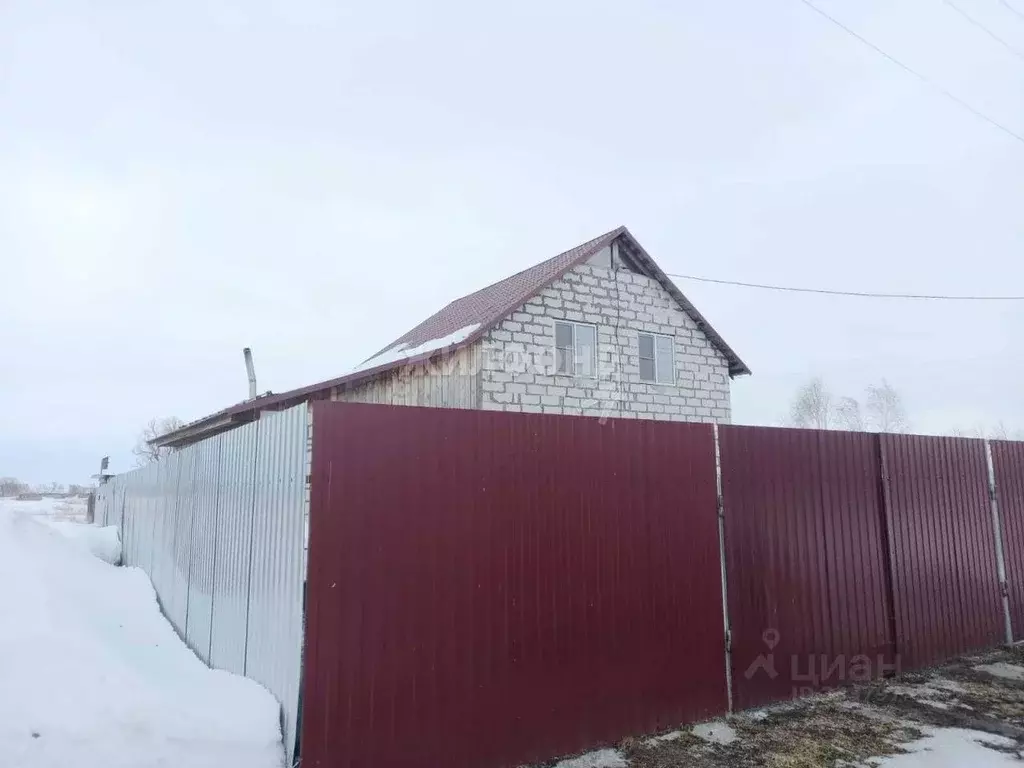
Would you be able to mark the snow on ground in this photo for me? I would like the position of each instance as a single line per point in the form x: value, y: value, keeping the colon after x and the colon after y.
x: 953, y: 748
x: 602, y: 758
x: 929, y: 694
x: 1003, y: 670
x: 663, y: 738
x: 716, y: 732
x: 103, y: 542
x: 93, y: 676
x: 71, y: 509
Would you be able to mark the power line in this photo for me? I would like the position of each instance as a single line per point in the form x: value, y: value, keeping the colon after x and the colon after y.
x: 856, y: 294
x: 984, y: 29
x: 1011, y: 8
x: 948, y: 94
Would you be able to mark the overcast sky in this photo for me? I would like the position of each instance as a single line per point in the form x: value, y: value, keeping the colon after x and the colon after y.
x: 311, y: 179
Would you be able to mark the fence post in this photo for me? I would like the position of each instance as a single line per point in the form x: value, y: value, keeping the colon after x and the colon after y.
x: 997, y: 529
x: 725, y: 578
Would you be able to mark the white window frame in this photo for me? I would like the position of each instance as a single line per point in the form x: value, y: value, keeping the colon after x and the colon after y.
x: 575, y: 350
x: 654, y: 349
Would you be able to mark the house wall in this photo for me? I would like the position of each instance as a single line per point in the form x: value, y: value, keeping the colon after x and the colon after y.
x: 453, y: 382
x: 518, y: 354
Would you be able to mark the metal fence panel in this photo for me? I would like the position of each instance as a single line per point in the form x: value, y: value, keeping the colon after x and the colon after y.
x: 143, y: 554
x: 945, y: 577
x: 129, y: 486
x: 204, y: 527
x: 176, y: 606
x: 1008, y: 462
x: 164, y: 526
x: 274, y: 649
x: 104, y: 503
x: 132, y: 515
x: 100, y: 504
x: 231, y: 588
x: 117, y: 511
x: 233, y: 549
x: 806, y: 561
x: 137, y: 527
x: 494, y: 589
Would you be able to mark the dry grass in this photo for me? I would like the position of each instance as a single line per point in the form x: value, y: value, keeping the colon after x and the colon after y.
x: 849, y: 726
x: 816, y: 732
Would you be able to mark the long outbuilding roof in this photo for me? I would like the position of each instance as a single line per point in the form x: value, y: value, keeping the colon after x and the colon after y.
x: 457, y: 325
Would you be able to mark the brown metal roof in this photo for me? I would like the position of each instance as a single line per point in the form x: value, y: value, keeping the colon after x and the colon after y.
x: 484, y: 309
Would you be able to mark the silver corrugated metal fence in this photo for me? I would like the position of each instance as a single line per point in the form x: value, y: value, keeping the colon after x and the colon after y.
x: 219, y: 528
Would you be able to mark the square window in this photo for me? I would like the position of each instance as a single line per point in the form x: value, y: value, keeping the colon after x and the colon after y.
x: 657, y: 358
x: 575, y: 349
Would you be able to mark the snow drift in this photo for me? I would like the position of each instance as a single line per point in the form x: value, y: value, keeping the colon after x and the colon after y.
x: 94, y: 676
x: 98, y: 540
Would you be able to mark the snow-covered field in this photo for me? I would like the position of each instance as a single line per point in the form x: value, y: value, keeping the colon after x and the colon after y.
x: 93, y: 676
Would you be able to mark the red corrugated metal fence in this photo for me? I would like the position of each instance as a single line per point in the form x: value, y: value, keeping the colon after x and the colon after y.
x: 808, y: 583
x: 1008, y: 461
x: 945, y: 578
x: 490, y: 589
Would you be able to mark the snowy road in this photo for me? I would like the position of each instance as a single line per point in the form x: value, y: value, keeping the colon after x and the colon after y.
x: 92, y: 674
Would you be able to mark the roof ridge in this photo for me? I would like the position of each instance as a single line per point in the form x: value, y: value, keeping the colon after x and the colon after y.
x: 616, y: 231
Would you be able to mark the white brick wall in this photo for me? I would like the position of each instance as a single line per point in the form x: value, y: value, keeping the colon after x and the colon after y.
x: 517, y: 366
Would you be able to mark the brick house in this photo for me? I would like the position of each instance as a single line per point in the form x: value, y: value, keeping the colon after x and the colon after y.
x: 599, y: 330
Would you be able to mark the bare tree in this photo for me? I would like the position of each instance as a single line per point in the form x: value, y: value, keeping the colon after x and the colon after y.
x: 11, y: 486
x: 885, y: 411
x: 848, y: 415
x: 144, y: 452
x: 812, y: 406
x: 999, y: 432
x: 815, y: 407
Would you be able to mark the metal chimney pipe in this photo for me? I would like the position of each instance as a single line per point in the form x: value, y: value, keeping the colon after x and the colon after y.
x: 251, y: 371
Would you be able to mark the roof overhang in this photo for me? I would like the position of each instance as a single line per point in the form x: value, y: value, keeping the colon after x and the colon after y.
x: 736, y: 366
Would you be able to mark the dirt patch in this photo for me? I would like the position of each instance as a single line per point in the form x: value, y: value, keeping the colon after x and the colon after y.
x: 960, y: 696
x: 851, y: 725
x: 814, y: 732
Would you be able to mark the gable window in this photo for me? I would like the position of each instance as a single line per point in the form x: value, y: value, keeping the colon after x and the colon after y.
x: 657, y: 359
x: 575, y: 349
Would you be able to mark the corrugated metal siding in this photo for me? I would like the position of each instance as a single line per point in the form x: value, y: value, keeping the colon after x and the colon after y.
x: 806, y: 560
x: 176, y: 605
x: 233, y: 550
x: 1008, y: 463
x: 274, y: 649
x: 945, y: 579
x: 137, y: 534
x: 491, y: 589
x: 141, y: 549
x: 226, y: 585
x: 162, y: 574
x: 204, y: 528
x: 451, y: 383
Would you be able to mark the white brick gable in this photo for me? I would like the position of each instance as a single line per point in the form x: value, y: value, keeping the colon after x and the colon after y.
x: 517, y: 361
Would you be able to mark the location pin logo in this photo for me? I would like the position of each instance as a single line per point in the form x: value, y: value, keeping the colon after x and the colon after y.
x: 770, y: 638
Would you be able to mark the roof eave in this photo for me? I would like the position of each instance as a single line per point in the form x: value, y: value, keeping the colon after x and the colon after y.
x: 195, y: 430
x: 249, y: 410
x: 736, y: 365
